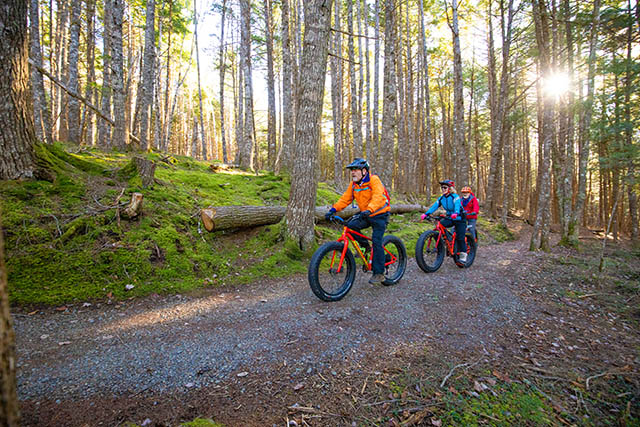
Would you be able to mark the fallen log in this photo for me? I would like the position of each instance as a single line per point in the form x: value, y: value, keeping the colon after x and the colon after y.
x: 135, y: 206
x: 228, y: 217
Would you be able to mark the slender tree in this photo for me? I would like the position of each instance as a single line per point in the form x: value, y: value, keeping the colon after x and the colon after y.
x: 148, y: 75
x: 313, y: 66
x: 223, y: 67
x: 389, y: 125
x: 245, y: 147
x: 120, y: 134
x: 462, y: 155
x: 42, y: 114
x: 271, y: 91
x: 202, y: 137
x: 288, y: 118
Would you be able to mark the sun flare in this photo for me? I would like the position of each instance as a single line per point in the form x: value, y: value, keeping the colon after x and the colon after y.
x: 557, y: 84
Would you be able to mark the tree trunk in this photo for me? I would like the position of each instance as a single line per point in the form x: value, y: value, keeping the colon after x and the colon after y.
x: 203, y: 140
x: 148, y: 76
x: 9, y: 408
x: 42, y: 114
x: 120, y: 137
x: 17, y: 139
x: 299, y: 217
x: 375, y: 156
x: 538, y: 240
x: 88, y: 115
x: 336, y: 98
x: 584, y: 138
x: 271, y: 89
x: 73, y: 122
x: 245, y: 146
x: 462, y: 154
x: 104, y: 131
x: 389, y: 96
x: 356, y: 122
x: 223, y: 67
x: 288, y: 119
x: 427, y: 108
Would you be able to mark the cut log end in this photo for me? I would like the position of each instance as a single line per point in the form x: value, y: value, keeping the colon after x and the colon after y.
x: 135, y: 206
x: 207, y: 219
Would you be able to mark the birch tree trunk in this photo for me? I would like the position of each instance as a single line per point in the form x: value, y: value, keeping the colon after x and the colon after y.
x: 223, y: 67
x: 584, y: 138
x: 42, y: 114
x: 301, y: 206
x: 389, y: 95
x: 73, y: 118
x: 271, y: 89
x: 462, y: 155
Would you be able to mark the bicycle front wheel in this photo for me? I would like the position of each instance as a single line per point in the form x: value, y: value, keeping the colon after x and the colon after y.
x: 329, y: 280
x: 429, y: 255
x: 395, y: 260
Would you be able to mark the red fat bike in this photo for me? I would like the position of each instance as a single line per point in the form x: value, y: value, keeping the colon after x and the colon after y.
x: 332, y: 269
x: 432, y: 245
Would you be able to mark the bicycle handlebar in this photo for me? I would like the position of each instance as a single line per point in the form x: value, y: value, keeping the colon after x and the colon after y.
x: 336, y: 218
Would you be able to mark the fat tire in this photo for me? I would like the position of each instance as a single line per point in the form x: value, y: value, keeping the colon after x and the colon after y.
x: 420, y: 250
x: 471, y: 252
x: 402, y: 259
x: 314, y: 266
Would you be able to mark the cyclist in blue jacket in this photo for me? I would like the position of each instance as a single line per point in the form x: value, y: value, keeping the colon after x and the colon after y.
x: 450, y: 201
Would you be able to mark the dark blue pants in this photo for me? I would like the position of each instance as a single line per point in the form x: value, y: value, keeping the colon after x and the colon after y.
x: 379, y: 224
x: 461, y: 227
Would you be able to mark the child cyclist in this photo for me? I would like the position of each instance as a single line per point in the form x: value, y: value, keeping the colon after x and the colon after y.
x: 471, y: 208
x: 450, y: 201
x: 374, y: 203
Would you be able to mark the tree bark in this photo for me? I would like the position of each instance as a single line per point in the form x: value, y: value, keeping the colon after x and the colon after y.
x: 73, y: 118
x: 245, y: 147
x: 203, y: 141
x: 90, y: 93
x: 356, y: 122
x: 427, y: 108
x: 42, y: 113
x: 462, y: 154
x: 375, y: 155
x: 271, y: 89
x: 584, y: 138
x: 148, y: 77
x: 336, y: 97
x: 288, y: 118
x: 104, y: 131
x: 299, y: 217
x: 120, y: 138
x: 223, y: 67
x: 9, y: 408
x: 389, y: 95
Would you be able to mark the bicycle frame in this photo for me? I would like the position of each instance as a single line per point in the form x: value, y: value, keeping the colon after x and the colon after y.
x: 345, y: 238
x: 442, y: 232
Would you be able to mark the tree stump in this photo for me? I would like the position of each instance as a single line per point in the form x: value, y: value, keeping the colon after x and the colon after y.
x: 135, y: 206
x: 146, y: 170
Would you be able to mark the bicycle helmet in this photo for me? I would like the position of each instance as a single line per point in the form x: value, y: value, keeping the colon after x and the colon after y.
x: 448, y: 183
x: 466, y: 189
x: 358, y: 163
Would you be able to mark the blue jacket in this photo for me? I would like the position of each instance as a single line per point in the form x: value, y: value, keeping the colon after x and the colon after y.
x: 450, y: 202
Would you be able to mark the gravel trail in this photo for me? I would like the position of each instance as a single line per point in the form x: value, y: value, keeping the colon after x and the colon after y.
x: 176, y: 343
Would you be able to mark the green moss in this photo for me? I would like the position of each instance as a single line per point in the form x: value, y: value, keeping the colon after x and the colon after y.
x: 201, y: 422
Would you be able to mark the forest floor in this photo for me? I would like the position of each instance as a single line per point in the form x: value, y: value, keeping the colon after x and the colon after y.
x: 519, y: 338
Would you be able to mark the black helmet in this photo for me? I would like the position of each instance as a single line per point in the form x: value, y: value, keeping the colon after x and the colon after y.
x: 358, y: 163
x: 448, y: 183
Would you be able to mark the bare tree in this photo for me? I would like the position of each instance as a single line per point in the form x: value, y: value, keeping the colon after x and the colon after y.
x: 302, y: 197
x: 148, y: 75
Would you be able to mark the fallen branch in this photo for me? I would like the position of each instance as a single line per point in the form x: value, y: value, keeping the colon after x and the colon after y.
x: 462, y: 365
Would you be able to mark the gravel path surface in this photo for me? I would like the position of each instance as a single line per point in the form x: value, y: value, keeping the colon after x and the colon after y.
x: 162, y: 344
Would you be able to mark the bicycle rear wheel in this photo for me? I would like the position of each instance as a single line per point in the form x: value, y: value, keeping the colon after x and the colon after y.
x: 471, y: 252
x: 326, y: 282
x: 429, y: 256
x: 398, y: 254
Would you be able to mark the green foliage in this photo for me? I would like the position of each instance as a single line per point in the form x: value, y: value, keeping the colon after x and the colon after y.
x: 201, y: 422
x: 512, y: 404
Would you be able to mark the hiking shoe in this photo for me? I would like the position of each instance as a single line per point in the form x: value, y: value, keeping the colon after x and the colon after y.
x: 462, y: 256
x: 376, y: 279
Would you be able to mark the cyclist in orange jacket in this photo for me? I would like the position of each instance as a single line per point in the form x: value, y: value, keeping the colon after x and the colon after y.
x: 374, y: 203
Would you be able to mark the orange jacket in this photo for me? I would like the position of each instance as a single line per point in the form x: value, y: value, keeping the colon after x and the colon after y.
x: 370, y: 195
